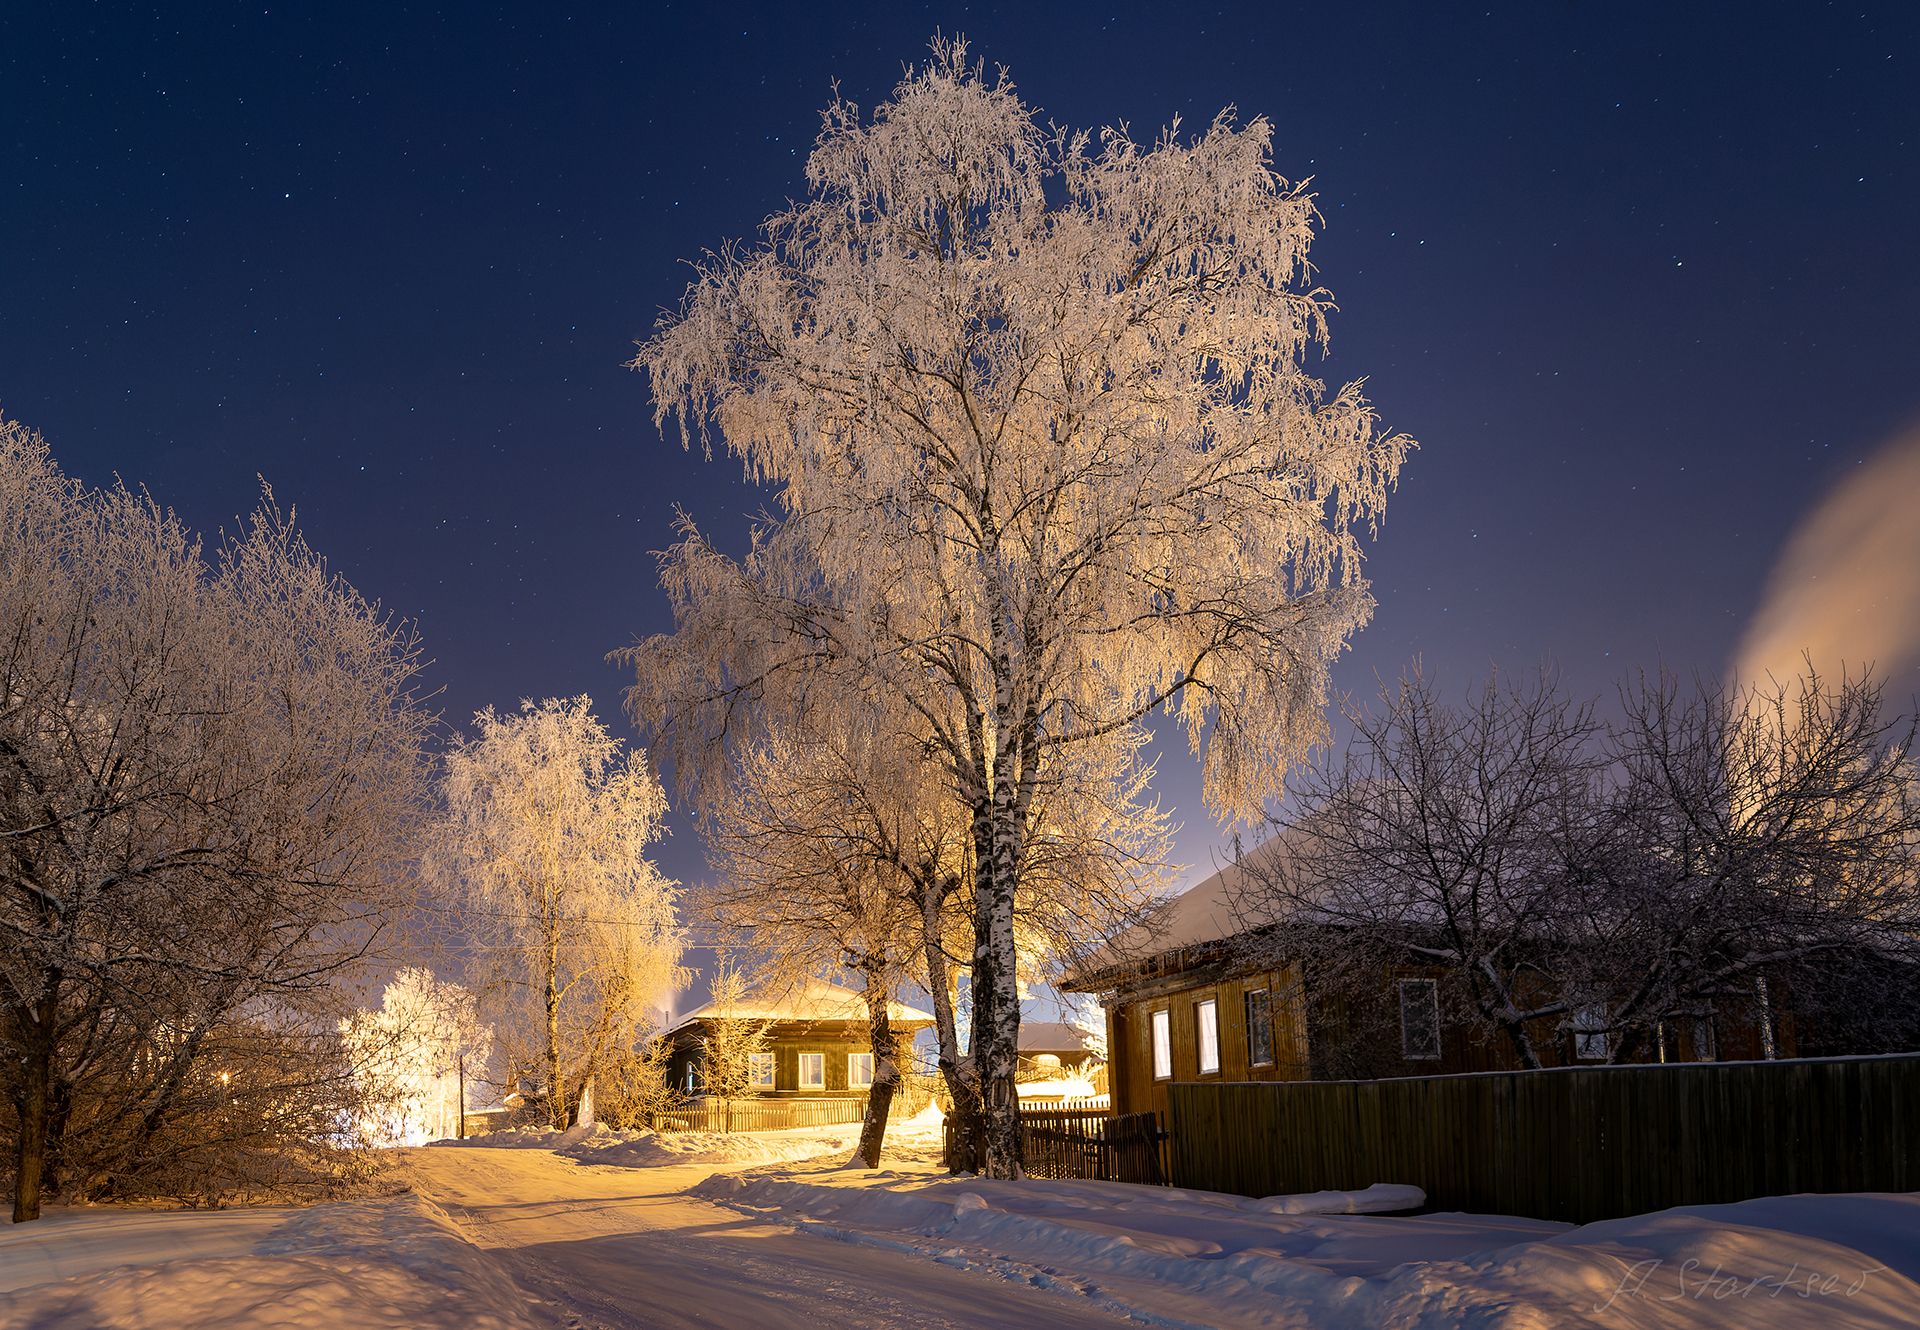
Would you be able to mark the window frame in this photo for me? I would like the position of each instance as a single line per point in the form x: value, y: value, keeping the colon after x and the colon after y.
x: 755, y: 1061
x: 1592, y: 1041
x: 819, y: 1060
x: 1432, y: 989
x: 1160, y: 1042
x: 854, y: 1084
x: 1206, y: 1030
x: 1265, y: 996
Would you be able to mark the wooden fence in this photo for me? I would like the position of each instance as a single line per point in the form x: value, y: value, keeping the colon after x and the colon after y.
x: 1082, y: 1143
x: 1575, y: 1144
x: 762, y: 1114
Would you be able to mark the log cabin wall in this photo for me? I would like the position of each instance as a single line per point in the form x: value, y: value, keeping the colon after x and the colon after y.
x: 787, y: 1041
x: 1322, y: 1032
x: 1136, y: 1089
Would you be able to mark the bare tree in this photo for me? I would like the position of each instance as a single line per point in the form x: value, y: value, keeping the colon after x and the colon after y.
x: 839, y: 847
x: 1755, y: 832
x: 1605, y: 880
x: 1445, y: 835
x: 632, y: 1088
x: 544, y: 847
x: 1035, y: 412
x: 825, y: 849
x: 209, y: 768
x: 734, y: 1038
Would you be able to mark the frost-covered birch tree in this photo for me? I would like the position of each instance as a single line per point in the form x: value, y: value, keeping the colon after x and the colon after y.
x: 210, y: 764
x: 415, y: 1056
x: 1034, y: 405
x: 548, y: 824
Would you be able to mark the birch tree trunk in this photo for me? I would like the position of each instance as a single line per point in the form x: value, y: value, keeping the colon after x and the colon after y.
x: 556, y: 1094
x: 996, y: 1009
x: 885, y: 1042
x: 957, y: 1070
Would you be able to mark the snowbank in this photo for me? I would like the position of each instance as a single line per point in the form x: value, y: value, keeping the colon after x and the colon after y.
x: 1380, y: 1198
x: 378, y: 1265
x: 1076, y: 1088
x: 648, y: 1149
x: 1196, y: 1258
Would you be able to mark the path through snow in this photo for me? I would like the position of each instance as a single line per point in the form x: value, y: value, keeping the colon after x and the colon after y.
x: 620, y: 1249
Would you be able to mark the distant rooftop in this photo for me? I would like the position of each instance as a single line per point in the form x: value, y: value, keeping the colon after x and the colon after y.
x: 1054, y: 1037
x: 808, y: 1000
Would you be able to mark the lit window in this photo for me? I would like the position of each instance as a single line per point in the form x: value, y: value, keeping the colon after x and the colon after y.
x: 859, y: 1071
x: 1206, y: 1020
x: 1590, y: 1041
x: 1420, y: 1019
x: 1259, y: 1028
x: 760, y: 1070
x: 813, y: 1071
x: 1162, y: 1046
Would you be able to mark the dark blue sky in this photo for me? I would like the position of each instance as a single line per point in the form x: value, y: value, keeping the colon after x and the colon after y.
x: 1642, y: 279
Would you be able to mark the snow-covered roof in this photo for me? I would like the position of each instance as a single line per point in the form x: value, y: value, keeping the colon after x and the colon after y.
x: 808, y: 1000
x: 1210, y: 910
x: 1053, y: 1037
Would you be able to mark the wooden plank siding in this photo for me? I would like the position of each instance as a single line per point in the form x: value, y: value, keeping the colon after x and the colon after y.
x: 763, y: 1113
x: 1576, y: 1144
x: 1130, y: 1036
x: 787, y: 1040
x: 1353, y: 1032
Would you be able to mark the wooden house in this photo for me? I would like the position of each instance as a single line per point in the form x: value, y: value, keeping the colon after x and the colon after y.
x: 1048, y: 1048
x: 1190, y: 999
x: 1059, y: 1063
x: 817, y: 1040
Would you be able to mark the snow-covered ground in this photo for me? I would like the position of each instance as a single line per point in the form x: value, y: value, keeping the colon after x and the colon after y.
x: 394, y: 1264
x: 1175, y: 1257
x: 644, y: 1149
x: 616, y: 1247
x: 774, y: 1230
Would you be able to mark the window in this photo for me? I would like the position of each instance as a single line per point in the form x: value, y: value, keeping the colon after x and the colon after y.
x: 1259, y: 1028
x: 1590, y: 1040
x: 1704, y: 1048
x: 859, y: 1071
x: 813, y: 1071
x: 1162, y: 1045
x: 1206, y: 1021
x: 693, y: 1078
x: 760, y: 1071
x: 1420, y: 1019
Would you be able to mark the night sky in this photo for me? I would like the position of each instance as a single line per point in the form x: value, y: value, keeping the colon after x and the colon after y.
x: 1642, y: 280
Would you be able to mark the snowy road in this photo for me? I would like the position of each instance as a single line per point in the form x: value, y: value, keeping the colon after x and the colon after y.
x: 619, y: 1249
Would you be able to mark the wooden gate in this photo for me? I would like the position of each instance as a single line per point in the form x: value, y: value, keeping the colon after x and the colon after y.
x: 1079, y: 1144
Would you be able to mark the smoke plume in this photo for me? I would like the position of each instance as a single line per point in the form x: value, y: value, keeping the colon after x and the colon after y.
x: 1846, y: 590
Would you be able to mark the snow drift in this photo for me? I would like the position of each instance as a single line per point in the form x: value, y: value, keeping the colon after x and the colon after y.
x: 1197, y: 1258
